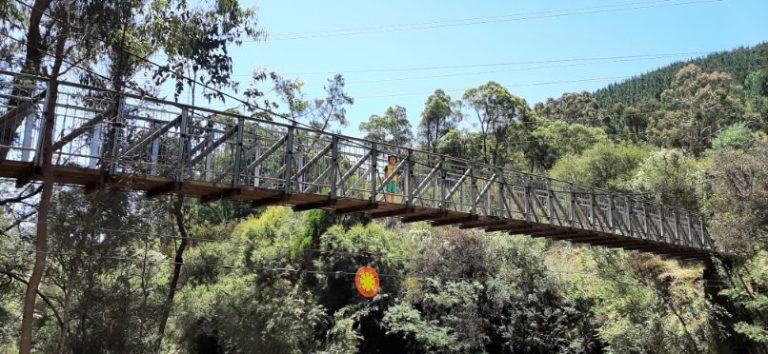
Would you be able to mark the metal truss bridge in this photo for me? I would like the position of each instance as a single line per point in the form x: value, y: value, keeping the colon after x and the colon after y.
x: 104, y: 139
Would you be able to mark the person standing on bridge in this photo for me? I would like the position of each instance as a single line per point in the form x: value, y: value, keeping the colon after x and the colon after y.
x: 391, y: 188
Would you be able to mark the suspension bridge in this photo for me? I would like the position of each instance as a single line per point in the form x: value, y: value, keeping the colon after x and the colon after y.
x: 106, y: 139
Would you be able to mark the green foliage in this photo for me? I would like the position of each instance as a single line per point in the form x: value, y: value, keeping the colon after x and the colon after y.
x: 606, y: 164
x: 736, y: 194
x: 670, y: 176
x: 750, y: 294
x: 695, y: 108
x: 440, y: 116
x: 571, y: 108
x: 496, y: 110
x: 556, y: 139
x: 737, y: 136
x: 392, y: 128
x: 245, y: 314
x: 321, y: 113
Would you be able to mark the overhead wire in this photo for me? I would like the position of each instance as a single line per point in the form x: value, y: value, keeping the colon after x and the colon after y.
x: 497, y: 64
x: 472, y: 21
x: 542, y: 83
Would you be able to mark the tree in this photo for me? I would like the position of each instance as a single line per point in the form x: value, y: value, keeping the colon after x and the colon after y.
x: 571, y: 107
x: 737, y: 136
x: 320, y: 113
x: 756, y: 90
x: 392, y: 128
x: 695, y: 108
x: 550, y: 140
x: 735, y: 194
x: 46, y: 158
x: 671, y: 177
x: 438, y: 118
x: 605, y: 165
x: 331, y: 109
x: 497, y: 111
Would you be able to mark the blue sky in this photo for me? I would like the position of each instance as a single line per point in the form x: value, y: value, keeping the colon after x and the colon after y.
x: 519, y: 44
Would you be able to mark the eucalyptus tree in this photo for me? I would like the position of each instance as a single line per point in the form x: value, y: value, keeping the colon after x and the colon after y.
x: 440, y: 116
x: 497, y: 112
x: 696, y: 107
x: 392, y: 128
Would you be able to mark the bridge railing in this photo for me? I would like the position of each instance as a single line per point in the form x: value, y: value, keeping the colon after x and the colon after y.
x: 124, y: 134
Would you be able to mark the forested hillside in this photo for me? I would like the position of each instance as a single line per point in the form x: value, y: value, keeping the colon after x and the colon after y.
x: 740, y: 63
x: 106, y: 270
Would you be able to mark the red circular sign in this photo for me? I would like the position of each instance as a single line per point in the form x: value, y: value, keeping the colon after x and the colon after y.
x: 367, y: 281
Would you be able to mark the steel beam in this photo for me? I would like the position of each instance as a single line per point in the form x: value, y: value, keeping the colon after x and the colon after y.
x: 454, y: 220
x: 355, y: 208
x: 391, y: 213
x: 423, y: 217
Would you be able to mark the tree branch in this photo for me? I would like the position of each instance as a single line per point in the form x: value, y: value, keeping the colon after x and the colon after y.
x: 21, y: 197
x: 39, y: 293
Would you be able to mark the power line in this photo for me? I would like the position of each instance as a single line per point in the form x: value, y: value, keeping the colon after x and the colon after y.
x: 472, y: 21
x: 497, y: 64
x: 509, y: 70
x: 543, y: 83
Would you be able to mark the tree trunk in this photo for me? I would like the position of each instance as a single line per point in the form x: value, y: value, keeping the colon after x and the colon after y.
x: 178, y: 260
x: 41, y: 237
x: 35, y: 52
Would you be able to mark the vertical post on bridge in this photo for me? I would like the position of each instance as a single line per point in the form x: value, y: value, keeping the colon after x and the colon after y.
x: 661, y: 224
x: 628, y: 209
x: 472, y: 192
x: 592, y: 210
x: 183, y: 138
x: 155, y: 154
x: 571, y: 205
x: 645, y: 220
x: 550, y: 200
x: 500, y: 199
x: 288, y: 160
x: 690, y: 229
x: 610, y: 212
x: 29, y: 126
x: 38, y: 159
x: 207, y: 160
x: 236, y: 168
x: 527, y: 200
x: 677, y: 226
x: 443, y: 184
x: 374, y: 156
x: 408, y: 183
x: 118, y: 128
x: 334, y: 193
x: 95, y: 146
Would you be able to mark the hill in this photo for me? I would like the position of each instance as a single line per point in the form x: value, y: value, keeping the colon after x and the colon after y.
x: 739, y: 62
